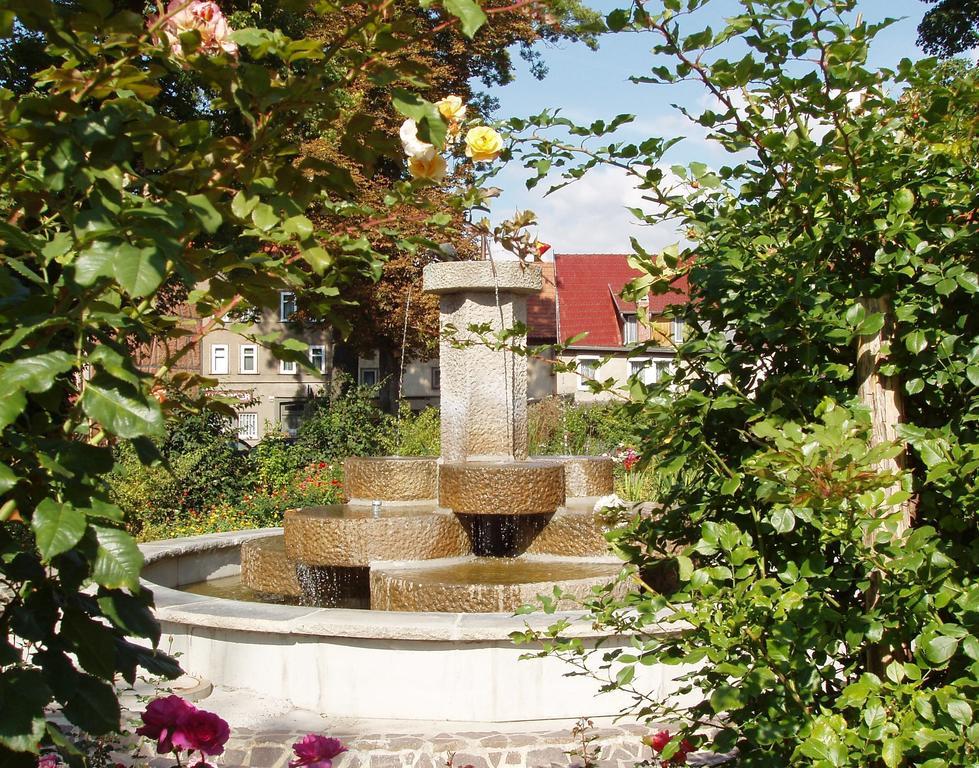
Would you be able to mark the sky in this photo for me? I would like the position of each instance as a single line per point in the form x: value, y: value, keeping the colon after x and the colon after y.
x: 590, y: 215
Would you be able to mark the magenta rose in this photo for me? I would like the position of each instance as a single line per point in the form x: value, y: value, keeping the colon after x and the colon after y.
x: 314, y: 751
x: 161, y: 719
x: 201, y: 731
x: 48, y: 760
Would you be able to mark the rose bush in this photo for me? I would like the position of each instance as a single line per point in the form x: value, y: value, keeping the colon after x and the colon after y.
x: 815, y: 447
x: 114, y: 206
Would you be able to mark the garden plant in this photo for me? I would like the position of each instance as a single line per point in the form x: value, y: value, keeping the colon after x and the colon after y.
x: 816, y: 449
x: 149, y: 159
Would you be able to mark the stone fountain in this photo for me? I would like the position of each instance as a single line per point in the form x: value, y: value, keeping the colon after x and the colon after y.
x: 483, y: 528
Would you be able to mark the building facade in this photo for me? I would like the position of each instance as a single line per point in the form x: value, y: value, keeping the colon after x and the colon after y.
x: 618, y: 338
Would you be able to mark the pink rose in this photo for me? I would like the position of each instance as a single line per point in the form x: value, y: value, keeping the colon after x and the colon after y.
x: 161, y: 719
x: 48, y: 760
x: 314, y: 751
x: 202, y: 15
x: 201, y: 731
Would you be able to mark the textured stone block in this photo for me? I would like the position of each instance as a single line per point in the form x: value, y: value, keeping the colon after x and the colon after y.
x: 585, y: 477
x: 483, y: 585
x: 571, y: 533
x: 501, y: 488
x: 390, y: 478
x: 350, y: 536
x: 486, y: 276
x: 265, y: 567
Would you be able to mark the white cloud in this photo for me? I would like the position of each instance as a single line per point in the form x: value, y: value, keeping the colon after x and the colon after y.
x: 590, y: 216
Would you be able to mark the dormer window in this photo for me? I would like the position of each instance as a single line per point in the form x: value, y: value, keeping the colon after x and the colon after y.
x: 630, y: 329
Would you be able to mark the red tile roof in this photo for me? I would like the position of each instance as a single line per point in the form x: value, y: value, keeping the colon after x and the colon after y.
x: 542, y: 309
x: 588, y: 288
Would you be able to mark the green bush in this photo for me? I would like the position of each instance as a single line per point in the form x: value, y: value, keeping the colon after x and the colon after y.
x: 414, y: 434
x: 557, y: 426
x: 344, y: 421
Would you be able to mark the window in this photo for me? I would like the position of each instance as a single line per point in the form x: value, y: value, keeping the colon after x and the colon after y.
x: 317, y: 358
x: 368, y: 377
x: 646, y: 370
x: 288, y: 366
x: 587, y: 371
x: 287, y: 305
x: 678, y: 328
x: 436, y: 378
x: 219, y: 358
x: 248, y: 426
x: 291, y: 416
x: 248, y: 359
x: 630, y: 329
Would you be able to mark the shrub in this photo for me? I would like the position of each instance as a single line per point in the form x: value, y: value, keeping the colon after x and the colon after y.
x: 414, y: 434
x: 343, y: 421
x: 557, y: 426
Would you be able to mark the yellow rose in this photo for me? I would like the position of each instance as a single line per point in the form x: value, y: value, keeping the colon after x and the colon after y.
x: 429, y: 166
x: 452, y: 109
x: 483, y: 144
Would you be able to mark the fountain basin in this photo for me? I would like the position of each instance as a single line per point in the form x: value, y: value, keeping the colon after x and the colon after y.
x: 350, y: 535
x: 390, y: 479
x: 586, y: 478
x: 485, y: 584
x: 372, y: 664
x: 501, y: 488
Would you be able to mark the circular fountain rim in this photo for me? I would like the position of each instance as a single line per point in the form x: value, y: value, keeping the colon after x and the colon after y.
x: 178, y: 607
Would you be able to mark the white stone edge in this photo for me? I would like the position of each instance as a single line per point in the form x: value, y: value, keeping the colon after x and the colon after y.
x: 176, y: 607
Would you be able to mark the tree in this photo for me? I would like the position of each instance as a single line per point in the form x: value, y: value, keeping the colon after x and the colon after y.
x: 111, y: 197
x: 950, y: 28
x: 827, y: 545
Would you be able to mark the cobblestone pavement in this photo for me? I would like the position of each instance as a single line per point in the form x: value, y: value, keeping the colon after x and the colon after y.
x: 263, y: 732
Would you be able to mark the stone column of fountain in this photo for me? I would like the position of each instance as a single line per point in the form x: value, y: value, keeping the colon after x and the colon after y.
x: 501, y: 498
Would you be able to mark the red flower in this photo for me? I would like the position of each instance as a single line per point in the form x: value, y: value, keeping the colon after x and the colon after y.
x: 161, y: 719
x: 314, y: 751
x: 658, y: 740
x: 177, y: 724
x: 322, y: 465
x: 202, y: 731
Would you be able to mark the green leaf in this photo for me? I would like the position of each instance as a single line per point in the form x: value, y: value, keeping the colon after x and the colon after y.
x: 264, y: 217
x: 36, y: 373
x: 299, y: 226
x: 12, y: 405
x: 960, y: 711
x: 121, y: 415
x: 783, y: 520
x: 939, y: 649
x: 725, y: 698
x: 131, y: 614
x: 118, y: 561
x: 916, y: 342
x: 24, y: 695
x: 8, y: 478
x: 469, y: 13
x: 139, y: 270
x: 57, y: 528
x: 431, y: 127
x: 242, y: 205
x: 729, y: 486
x: 685, y: 567
x: 903, y: 200
x: 893, y: 752
x: 93, y: 706
x: 205, y: 211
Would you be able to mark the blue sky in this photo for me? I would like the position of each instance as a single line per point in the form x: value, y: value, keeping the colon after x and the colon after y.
x: 589, y: 216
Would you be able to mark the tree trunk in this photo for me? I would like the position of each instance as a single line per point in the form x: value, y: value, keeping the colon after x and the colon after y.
x: 882, y: 394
